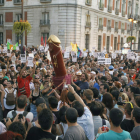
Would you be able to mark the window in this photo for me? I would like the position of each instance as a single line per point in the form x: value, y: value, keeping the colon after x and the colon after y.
x: 121, y: 43
x: 1, y: 19
x: 108, y: 23
x: 1, y: 2
x: 117, y: 4
x: 116, y: 25
x: 18, y: 17
x: 99, y: 42
x: 44, y: 36
x: 129, y: 8
x: 108, y: 43
x: 136, y: 9
x: 88, y: 2
x: 115, y: 43
x: 45, y: 16
x: 100, y: 21
x: 109, y: 5
x: 87, y: 41
x: 1, y: 37
x: 122, y: 25
x: 123, y: 8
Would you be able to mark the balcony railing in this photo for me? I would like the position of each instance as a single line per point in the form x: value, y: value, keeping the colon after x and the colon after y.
x: 109, y: 9
x: 101, y: 6
x: 44, y: 22
x: 45, y: 0
x: 17, y: 1
x: 122, y: 30
x: 123, y: 13
x: 1, y: 23
x: 128, y: 31
x: 100, y: 27
x: 88, y: 24
x: 116, y: 29
x: 108, y: 28
x: 1, y: 2
x: 116, y: 11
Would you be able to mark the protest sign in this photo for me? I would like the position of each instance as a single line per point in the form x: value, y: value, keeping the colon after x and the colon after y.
x: 122, y: 57
x: 23, y: 58
x: 31, y: 55
x: 41, y: 48
x: 131, y: 55
x: 5, y: 50
x: 113, y: 55
x: 118, y: 51
x: 106, y: 61
x: 100, y: 55
x: 74, y: 57
x: 84, y: 54
x: 13, y: 59
x: 30, y: 61
x: 69, y: 49
x: 17, y: 48
x: 66, y: 54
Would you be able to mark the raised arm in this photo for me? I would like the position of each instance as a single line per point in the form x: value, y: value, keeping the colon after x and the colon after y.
x: 77, y: 97
x: 23, y: 69
x: 33, y: 72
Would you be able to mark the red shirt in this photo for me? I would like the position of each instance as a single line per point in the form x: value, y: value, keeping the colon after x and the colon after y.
x: 21, y: 81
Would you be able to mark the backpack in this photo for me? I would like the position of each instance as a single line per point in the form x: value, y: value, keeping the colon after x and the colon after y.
x: 14, y: 114
x: 10, y: 98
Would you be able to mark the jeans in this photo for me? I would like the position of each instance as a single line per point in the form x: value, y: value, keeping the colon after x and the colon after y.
x: 33, y: 110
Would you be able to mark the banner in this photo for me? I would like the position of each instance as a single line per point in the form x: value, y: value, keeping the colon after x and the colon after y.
x: 23, y: 58
x: 106, y: 61
x: 66, y: 54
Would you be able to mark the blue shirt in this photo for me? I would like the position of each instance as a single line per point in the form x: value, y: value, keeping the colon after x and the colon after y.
x: 111, y: 135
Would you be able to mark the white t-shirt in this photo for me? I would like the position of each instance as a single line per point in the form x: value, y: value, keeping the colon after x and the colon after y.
x: 5, y: 105
x: 28, y: 116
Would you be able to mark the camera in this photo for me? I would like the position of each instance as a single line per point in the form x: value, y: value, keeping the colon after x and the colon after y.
x: 65, y: 86
x: 20, y: 116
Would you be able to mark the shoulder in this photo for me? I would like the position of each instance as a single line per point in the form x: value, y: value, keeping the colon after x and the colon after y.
x: 30, y: 116
x: 9, y: 115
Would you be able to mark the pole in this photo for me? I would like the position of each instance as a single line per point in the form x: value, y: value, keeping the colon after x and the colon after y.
x: 22, y: 51
x: 131, y: 23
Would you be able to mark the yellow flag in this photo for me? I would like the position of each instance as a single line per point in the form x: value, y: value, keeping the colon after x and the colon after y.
x: 74, y: 47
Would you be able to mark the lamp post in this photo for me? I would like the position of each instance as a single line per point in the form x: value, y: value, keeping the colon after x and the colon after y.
x: 22, y: 51
x: 132, y: 20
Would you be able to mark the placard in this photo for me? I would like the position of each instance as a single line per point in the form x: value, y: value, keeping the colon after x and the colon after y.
x: 85, y: 54
x: 31, y: 55
x: 118, y: 51
x: 17, y: 48
x: 13, y: 59
x: 23, y: 58
x: 122, y: 57
x: 66, y: 54
x: 4, y: 50
x: 114, y: 55
x: 106, y: 61
x: 41, y: 48
x: 74, y: 58
x: 30, y: 61
x: 131, y: 55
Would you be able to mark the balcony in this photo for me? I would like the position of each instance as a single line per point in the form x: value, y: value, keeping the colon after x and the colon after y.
x: 45, y: 0
x: 116, y: 29
x: 1, y: 2
x: 128, y: 31
x: 108, y: 28
x: 100, y: 28
x: 88, y: 25
x: 116, y: 11
x: 122, y: 31
x: 110, y: 9
x: 1, y: 23
x: 18, y: 2
x: 123, y: 13
x: 44, y: 22
x: 101, y: 6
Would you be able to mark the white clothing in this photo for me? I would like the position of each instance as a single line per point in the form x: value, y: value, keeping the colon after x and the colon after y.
x: 65, y: 128
x: 28, y: 116
x: 4, y: 100
x: 2, y: 128
x: 58, y: 106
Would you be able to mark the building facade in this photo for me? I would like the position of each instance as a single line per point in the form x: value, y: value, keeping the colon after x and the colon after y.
x: 92, y: 24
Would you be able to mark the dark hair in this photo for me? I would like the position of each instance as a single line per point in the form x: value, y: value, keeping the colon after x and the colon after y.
x: 89, y: 94
x: 125, y: 67
x: 17, y: 66
x: 86, y: 76
x: 45, y: 119
x: 18, y: 127
x: 135, y: 90
x: 104, y: 78
x: 128, y: 108
x: 116, y: 116
x: 71, y: 115
x: 115, y: 93
x: 120, y: 74
x: 70, y: 96
x: 137, y: 99
x: 108, y: 100
x: 138, y: 81
x: 115, y: 79
x: 95, y: 92
x: 3, y: 67
x: 105, y: 86
x: 95, y: 108
x: 53, y: 102
x: 21, y: 101
x: 136, y: 114
x: 79, y: 107
x: 62, y: 113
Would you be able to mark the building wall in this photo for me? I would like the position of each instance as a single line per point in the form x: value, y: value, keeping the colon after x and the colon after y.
x: 68, y: 20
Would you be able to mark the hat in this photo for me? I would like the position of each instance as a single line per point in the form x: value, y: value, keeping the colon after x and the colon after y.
x: 111, y: 67
x: 93, y: 72
x: 125, y: 79
x: 79, y: 73
x: 40, y: 100
x: 121, y: 68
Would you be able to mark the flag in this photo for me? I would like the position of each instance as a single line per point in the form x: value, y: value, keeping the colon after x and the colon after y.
x: 79, y: 53
x: 42, y: 41
x: 74, y: 47
x: 45, y: 40
x: 15, y: 46
x: 8, y: 45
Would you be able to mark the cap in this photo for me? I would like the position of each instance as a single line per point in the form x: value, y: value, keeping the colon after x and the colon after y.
x: 93, y: 72
x: 79, y: 73
x: 111, y: 67
x: 121, y: 68
x: 40, y: 100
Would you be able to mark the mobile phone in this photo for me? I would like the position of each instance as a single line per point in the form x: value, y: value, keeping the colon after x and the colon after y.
x: 20, y: 116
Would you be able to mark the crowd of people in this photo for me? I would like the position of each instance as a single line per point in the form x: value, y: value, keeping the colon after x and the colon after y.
x: 102, y: 102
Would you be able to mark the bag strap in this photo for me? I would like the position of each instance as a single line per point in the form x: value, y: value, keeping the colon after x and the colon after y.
x: 61, y: 129
x: 56, y: 138
x: 103, y: 122
x: 25, y: 113
x: 14, y: 114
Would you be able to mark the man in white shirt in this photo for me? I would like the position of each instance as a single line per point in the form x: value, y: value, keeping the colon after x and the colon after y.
x: 21, y: 104
x: 84, y: 115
